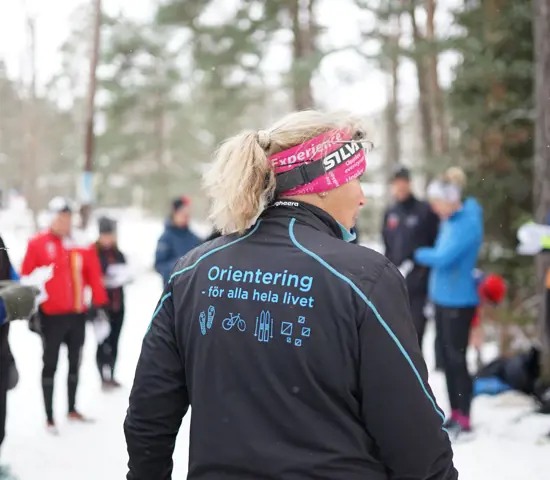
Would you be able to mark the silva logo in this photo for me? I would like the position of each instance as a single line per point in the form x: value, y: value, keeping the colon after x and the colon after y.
x: 345, y: 152
x: 282, y: 203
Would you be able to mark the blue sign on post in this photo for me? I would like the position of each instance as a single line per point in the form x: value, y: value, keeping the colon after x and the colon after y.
x: 86, y: 188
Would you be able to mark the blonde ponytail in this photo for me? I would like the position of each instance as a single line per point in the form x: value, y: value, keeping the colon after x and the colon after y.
x: 240, y: 183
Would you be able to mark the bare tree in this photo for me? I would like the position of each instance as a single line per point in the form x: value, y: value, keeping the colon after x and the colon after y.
x: 29, y: 172
x: 304, y: 32
x: 441, y: 140
x: 541, y: 175
x: 422, y: 68
x: 390, y: 63
x: 90, y: 116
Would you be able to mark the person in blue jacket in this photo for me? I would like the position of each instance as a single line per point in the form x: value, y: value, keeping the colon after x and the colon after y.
x: 177, y: 239
x: 452, y: 287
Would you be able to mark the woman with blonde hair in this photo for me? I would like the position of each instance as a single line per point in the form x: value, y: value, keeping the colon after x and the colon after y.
x: 453, y: 287
x: 294, y: 348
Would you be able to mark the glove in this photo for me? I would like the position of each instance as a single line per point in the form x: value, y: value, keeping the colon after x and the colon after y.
x: 18, y: 301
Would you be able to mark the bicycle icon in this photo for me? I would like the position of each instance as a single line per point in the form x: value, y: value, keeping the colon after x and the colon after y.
x: 232, y: 320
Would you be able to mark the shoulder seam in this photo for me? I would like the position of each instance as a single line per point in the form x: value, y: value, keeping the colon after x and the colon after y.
x: 214, y: 250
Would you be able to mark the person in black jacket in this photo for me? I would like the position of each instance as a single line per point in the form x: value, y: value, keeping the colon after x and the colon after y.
x: 110, y: 257
x: 408, y: 225
x: 16, y: 302
x: 295, y: 349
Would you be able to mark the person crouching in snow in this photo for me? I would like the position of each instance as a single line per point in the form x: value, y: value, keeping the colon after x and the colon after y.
x: 452, y: 287
x: 492, y: 290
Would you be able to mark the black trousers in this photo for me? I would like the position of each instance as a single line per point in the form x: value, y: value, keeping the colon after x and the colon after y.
x: 4, y: 370
x: 107, y: 352
x: 69, y: 329
x: 418, y: 303
x: 453, y: 329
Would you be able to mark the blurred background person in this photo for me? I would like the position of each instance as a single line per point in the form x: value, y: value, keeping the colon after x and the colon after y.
x: 177, y: 239
x: 16, y: 302
x: 62, y: 317
x: 112, y: 266
x: 410, y: 223
x: 453, y: 287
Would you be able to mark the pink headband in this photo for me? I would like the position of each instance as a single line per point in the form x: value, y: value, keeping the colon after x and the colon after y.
x: 318, y: 165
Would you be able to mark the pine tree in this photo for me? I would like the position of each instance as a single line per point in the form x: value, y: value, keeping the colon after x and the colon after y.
x: 492, y: 102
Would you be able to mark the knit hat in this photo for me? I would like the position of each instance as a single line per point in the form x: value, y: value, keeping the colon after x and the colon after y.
x: 106, y: 225
x: 493, y: 288
x: 401, y: 173
x: 61, y: 205
x: 183, y: 201
x: 18, y: 300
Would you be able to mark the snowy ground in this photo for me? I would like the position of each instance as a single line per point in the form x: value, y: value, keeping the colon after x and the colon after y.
x: 503, y: 449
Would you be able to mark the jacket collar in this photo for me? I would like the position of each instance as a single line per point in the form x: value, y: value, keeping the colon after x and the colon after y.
x: 305, y: 214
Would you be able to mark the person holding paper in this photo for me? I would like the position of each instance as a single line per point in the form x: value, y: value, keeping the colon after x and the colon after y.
x: 62, y: 317
x: 115, y: 275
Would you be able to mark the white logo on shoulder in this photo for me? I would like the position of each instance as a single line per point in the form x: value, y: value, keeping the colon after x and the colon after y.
x: 283, y: 203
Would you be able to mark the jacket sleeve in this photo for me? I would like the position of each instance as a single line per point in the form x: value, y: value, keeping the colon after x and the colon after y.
x: 398, y: 406
x: 93, y: 277
x: 165, y: 258
x: 30, y: 261
x: 447, y: 253
x: 158, y: 400
x: 2, y: 313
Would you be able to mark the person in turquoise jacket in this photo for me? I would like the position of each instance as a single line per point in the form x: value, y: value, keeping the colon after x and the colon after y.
x: 452, y: 286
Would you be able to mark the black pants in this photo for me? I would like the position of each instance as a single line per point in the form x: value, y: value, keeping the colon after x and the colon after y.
x: 453, y: 329
x: 58, y: 329
x: 4, y: 369
x: 418, y: 304
x: 107, y: 352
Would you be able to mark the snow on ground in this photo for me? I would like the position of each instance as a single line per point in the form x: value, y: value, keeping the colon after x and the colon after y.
x: 504, y: 448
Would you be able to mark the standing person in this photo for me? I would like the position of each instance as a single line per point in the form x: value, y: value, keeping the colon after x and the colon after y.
x: 16, y: 302
x: 63, y: 315
x: 453, y: 288
x: 295, y: 349
x: 177, y: 239
x: 409, y: 224
x: 110, y: 258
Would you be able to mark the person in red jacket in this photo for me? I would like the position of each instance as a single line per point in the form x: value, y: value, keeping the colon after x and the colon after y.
x: 63, y: 314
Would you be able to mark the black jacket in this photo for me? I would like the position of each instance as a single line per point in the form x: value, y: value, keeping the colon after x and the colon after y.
x: 6, y: 356
x: 112, y: 256
x: 298, y: 356
x: 407, y: 226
